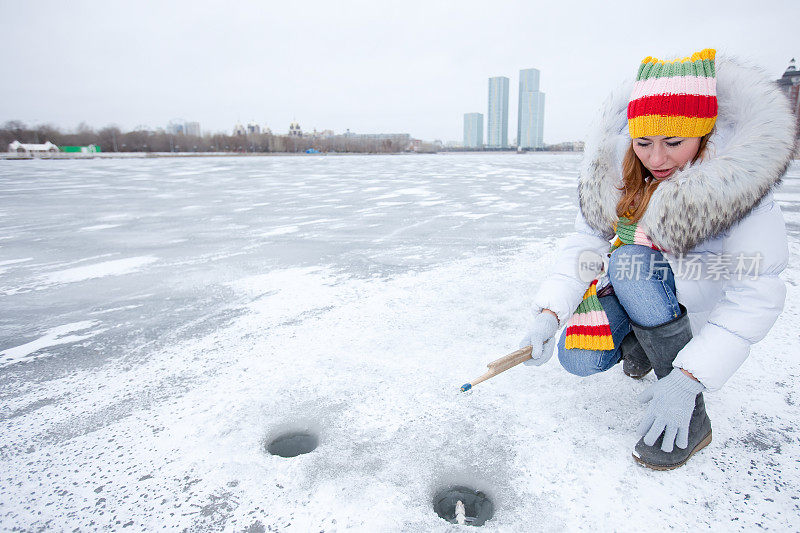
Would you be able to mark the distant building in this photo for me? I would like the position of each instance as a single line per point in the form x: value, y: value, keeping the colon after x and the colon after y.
x: 91, y: 149
x: 180, y: 127
x: 473, y: 130
x: 569, y: 146
x: 294, y: 130
x: 401, y: 138
x: 324, y: 134
x: 176, y: 127
x: 239, y: 131
x: 28, y: 148
x: 790, y: 85
x: 421, y: 147
x: 394, y: 141
x: 497, y: 119
x: 192, y: 128
x: 530, y: 111
x: 253, y: 129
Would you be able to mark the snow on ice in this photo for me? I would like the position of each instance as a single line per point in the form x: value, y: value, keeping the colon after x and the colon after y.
x: 98, y: 270
x: 238, y: 299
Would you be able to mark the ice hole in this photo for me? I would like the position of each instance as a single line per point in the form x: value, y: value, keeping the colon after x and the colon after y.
x: 478, y: 508
x: 293, y: 444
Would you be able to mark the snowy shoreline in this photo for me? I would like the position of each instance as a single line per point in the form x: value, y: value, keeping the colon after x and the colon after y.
x: 150, y: 155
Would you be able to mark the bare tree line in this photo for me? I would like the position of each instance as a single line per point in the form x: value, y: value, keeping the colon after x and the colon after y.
x: 113, y: 139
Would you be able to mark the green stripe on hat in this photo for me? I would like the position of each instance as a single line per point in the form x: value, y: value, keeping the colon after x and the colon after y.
x: 701, y: 67
x: 592, y: 303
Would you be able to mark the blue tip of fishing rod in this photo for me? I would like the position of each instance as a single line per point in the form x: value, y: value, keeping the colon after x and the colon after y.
x: 466, y: 387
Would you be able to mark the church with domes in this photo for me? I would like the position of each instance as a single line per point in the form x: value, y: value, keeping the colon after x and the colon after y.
x: 790, y: 85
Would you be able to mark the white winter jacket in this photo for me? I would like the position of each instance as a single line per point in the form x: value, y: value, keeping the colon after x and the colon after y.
x: 717, y: 214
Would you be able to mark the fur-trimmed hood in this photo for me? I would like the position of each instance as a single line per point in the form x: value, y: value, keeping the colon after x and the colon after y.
x: 748, y: 153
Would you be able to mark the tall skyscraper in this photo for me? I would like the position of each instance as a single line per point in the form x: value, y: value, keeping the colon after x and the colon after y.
x: 497, y: 121
x: 473, y: 130
x: 530, y: 112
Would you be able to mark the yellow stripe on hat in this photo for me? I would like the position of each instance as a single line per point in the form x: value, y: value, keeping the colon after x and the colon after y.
x: 675, y: 126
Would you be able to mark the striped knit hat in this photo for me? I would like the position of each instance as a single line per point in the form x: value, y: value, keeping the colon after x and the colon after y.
x: 676, y: 98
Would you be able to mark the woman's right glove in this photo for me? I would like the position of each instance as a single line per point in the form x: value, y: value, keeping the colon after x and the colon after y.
x: 541, y: 339
x: 672, y: 402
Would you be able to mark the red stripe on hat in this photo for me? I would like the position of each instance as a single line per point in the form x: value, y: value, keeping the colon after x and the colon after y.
x: 673, y: 105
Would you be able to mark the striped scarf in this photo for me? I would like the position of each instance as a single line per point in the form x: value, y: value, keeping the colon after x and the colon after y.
x: 588, y: 328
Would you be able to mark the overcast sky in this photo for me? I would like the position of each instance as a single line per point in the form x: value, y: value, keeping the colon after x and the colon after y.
x: 371, y: 66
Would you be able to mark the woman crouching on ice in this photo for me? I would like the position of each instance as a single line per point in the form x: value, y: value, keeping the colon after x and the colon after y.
x: 691, y: 278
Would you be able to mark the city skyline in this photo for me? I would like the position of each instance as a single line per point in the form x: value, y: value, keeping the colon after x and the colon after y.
x: 127, y: 64
x: 529, y: 119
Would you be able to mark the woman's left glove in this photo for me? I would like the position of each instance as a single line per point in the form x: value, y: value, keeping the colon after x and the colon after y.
x: 540, y: 338
x: 672, y: 400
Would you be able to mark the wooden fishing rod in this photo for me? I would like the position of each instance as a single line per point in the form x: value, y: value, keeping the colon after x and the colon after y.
x: 501, y: 365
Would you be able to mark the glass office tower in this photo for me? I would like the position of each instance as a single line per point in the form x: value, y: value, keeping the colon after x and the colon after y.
x: 473, y: 130
x: 497, y: 121
x: 530, y: 112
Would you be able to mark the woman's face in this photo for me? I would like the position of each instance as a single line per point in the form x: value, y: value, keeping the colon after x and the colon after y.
x: 663, y: 156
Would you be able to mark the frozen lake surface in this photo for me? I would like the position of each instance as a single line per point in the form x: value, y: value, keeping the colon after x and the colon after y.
x: 164, y: 319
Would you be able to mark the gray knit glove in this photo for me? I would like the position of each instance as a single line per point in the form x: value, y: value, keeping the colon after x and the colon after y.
x: 540, y: 338
x: 672, y: 401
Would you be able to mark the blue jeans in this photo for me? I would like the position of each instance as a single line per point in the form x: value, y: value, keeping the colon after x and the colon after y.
x: 644, y: 292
